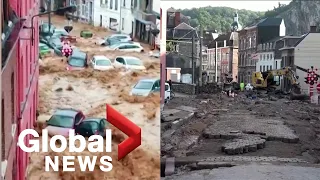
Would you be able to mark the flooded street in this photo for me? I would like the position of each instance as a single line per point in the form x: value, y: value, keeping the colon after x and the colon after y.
x: 90, y: 91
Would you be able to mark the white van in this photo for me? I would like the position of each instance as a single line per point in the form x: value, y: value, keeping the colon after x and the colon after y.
x: 167, y: 93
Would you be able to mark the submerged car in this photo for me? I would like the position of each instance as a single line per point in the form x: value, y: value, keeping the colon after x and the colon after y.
x: 44, y: 49
x: 92, y: 126
x: 100, y: 62
x: 110, y: 42
x: 63, y: 120
x: 77, y: 61
x: 129, y: 63
x: 145, y: 87
x: 127, y: 47
x: 115, y: 37
x: 60, y: 33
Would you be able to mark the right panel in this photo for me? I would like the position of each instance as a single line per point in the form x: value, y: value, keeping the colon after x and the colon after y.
x: 240, y: 90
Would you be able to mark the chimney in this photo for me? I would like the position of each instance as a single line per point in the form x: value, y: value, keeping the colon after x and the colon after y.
x: 313, y: 29
x: 177, y: 18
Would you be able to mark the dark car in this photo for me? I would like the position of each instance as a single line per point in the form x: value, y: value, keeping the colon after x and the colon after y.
x: 92, y: 126
x: 77, y: 61
x: 63, y: 120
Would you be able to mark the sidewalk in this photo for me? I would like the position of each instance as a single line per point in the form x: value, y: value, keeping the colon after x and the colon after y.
x: 252, y: 172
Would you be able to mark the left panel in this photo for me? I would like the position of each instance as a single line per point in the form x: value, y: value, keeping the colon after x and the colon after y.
x: 82, y: 96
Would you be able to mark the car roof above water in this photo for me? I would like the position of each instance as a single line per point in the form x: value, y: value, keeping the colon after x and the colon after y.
x: 66, y: 112
x: 92, y: 119
x: 149, y: 80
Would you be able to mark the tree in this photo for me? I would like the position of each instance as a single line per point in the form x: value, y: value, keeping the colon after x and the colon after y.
x: 219, y: 18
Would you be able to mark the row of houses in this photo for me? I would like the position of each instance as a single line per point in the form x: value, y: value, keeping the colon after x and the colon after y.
x: 261, y: 46
x: 19, y: 76
x: 135, y: 17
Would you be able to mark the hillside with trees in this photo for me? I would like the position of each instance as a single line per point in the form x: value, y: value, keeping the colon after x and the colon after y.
x: 298, y: 16
x: 219, y: 18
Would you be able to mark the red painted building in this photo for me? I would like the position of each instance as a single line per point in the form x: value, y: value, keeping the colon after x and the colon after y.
x: 20, y: 75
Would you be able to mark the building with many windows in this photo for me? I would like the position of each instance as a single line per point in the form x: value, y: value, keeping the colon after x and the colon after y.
x: 20, y: 75
x: 260, y: 32
x: 269, y: 55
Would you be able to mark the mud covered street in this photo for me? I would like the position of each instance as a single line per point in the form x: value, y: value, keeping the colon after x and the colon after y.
x: 236, y: 131
x: 89, y: 91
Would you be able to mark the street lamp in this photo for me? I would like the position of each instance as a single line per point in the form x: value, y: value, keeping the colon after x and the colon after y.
x: 70, y: 9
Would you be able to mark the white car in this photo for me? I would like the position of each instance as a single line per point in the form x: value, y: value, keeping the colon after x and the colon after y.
x: 145, y: 87
x: 120, y: 37
x: 129, y: 63
x: 127, y: 47
x: 100, y: 62
x: 116, y: 37
x: 248, y: 87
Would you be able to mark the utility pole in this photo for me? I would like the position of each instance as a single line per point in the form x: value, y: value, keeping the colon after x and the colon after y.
x: 216, y: 63
x: 192, y: 57
x: 200, y: 56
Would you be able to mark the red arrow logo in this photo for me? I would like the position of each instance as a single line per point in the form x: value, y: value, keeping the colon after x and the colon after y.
x: 126, y: 126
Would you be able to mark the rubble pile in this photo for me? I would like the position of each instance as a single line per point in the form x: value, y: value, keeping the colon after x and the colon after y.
x: 240, y: 146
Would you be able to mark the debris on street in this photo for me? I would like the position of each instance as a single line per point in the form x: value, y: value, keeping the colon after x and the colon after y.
x: 238, y: 130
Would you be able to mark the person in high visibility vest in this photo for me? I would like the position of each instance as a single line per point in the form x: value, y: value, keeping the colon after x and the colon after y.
x: 242, y: 86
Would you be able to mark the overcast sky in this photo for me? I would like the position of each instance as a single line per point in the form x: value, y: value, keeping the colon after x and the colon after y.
x: 249, y: 5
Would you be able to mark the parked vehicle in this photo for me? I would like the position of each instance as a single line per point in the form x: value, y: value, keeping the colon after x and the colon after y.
x: 145, y: 87
x: 63, y: 120
x: 92, y: 126
x: 44, y: 49
x: 129, y: 63
x: 127, y: 47
x: 100, y: 62
x: 77, y: 61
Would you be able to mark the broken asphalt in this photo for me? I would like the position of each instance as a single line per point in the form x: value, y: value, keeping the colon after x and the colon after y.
x: 238, y: 132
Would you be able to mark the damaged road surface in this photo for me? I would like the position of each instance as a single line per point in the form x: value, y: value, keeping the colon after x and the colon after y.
x: 228, y: 132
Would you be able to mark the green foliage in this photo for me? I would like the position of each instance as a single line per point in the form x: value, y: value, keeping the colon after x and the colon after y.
x: 280, y: 9
x: 219, y: 18
x: 170, y: 46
